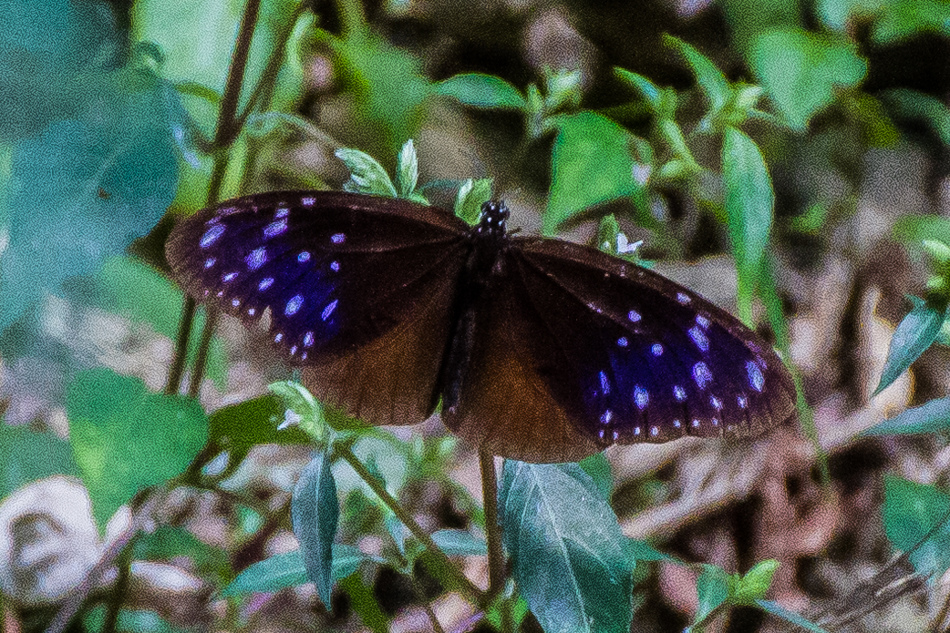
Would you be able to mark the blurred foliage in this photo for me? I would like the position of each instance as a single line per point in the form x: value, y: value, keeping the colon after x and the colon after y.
x: 640, y: 119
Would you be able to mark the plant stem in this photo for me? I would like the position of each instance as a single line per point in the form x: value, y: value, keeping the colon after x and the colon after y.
x: 496, y: 556
x: 201, y: 360
x: 119, y: 591
x: 465, y: 585
x: 177, y: 370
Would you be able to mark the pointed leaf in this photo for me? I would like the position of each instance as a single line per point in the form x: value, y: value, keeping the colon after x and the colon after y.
x: 710, y: 78
x: 459, y: 543
x: 366, y: 174
x: 914, y: 334
x: 932, y: 417
x: 482, y: 91
x: 568, y: 554
x: 591, y: 163
x: 789, y: 616
x: 713, y: 590
x: 315, y: 511
x: 407, y: 170
x: 749, y: 202
x: 288, y: 570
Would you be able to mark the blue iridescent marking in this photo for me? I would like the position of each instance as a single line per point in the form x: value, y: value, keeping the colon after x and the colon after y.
x: 266, y: 283
x: 256, y: 258
x: 211, y: 235
x: 275, y: 228
x: 327, y: 311
x: 293, y: 305
x: 756, y: 379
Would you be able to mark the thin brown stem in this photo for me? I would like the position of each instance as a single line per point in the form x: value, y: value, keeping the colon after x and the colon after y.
x: 119, y: 591
x: 465, y: 585
x: 496, y: 556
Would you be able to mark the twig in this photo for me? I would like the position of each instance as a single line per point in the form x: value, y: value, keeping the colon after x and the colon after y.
x: 471, y: 592
x: 140, y: 519
x: 496, y: 556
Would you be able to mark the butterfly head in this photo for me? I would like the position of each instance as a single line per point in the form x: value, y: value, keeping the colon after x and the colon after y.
x: 493, y: 220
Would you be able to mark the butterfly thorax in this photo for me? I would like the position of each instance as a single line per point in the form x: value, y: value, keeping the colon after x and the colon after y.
x: 488, y: 243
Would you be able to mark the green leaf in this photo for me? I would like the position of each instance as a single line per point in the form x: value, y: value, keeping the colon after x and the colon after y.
x: 649, y: 90
x: 932, y: 417
x: 591, y: 163
x: 127, y: 286
x: 749, y: 202
x: 910, y: 512
x: 459, y: 543
x: 914, y: 230
x: 800, y: 70
x: 909, y: 104
x: 245, y: 424
x: 287, y: 570
x: 315, y: 510
x: 407, y: 170
x: 641, y: 550
x: 482, y: 91
x: 28, y: 456
x: 121, y: 144
x: 598, y: 468
x: 713, y: 588
x: 568, y: 555
x: 914, y: 334
x: 302, y: 407
x: 470, y: 197
x: 755, y: 583
x: 386, y: 85
x: 366, y: 174
x: 125, y: 438
x: 903, y: 19
x: 710, y: 78
x: 789, y: 616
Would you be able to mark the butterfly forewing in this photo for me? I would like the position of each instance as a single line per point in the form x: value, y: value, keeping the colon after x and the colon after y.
x: 644, y: 359
x: 348, y: 282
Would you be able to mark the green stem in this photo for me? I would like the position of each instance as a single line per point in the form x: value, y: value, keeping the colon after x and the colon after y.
x: 496, y: 556
x: 177, y: 370
x: 465, y: 585
x: 204, y: 345
x: 119, y: 591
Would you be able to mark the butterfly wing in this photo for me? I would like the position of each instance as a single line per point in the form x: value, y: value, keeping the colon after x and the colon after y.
x: 618, y: 353
x: 358, y: 289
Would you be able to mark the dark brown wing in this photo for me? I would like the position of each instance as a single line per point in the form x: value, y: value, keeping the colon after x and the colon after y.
x: 579, y: 350
x: 358, y: 289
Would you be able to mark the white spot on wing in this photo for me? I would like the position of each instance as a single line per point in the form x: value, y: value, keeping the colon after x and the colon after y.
x: 701, y: 375
x: 634, y: 316
x: 606, y: 417
x: 756, y: 379
x: 335, y: 266
x: 308, y: 339
x: 641, y: 396
x: 210, y: 262
x: 657, y: 349
x: 256, y: 258
x: 304, y: 256
x: 211, y: 235
x: 293, y: 305
x: 682, y: 297
x: 327, y: 311
x: 266, y: 283
x: 679, y: 393
x: 275, y: 228
x: 702, y: 321
x: 715, y: 402
x: 622, y: 341
x: 699, y: 337
x: 308, y: 202
x: 281, y: 212
x: 229, y: 277
x: 742, y: 402
x: 604, y: 383
x: 337, y: 238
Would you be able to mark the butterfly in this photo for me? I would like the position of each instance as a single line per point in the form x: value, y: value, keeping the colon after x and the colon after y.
x: 538, y: 349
